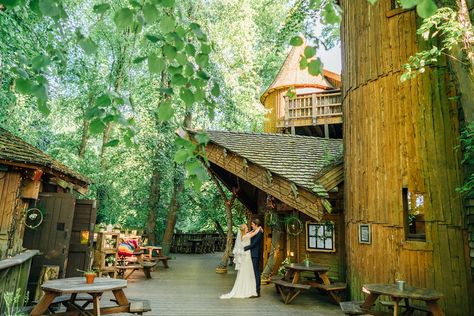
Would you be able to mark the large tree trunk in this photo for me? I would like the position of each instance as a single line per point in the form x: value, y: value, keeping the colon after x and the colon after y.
x: 274, y: 251
x: 230, y: 234
x: 173, y: 210
x: 153, y: 200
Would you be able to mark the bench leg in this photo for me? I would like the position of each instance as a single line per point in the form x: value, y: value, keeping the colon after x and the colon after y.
x: 335, y: 296
x: 146, y: 271
x: 165, y: 263
x: 127, y: 276
x: 292, y: 294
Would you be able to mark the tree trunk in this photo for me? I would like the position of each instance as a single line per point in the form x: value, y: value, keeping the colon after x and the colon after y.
x: 274, y: 251
x: 153, y: 200
x: 230, y: 234
x: 85, y: 138
x: 173, y: 210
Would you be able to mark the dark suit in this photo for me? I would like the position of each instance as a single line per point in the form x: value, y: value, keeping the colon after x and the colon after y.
x: 255, y: 248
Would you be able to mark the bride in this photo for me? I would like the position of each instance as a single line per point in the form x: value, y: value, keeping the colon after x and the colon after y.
x: 244, y: 285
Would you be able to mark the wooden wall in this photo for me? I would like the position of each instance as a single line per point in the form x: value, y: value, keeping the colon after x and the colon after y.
x: 275, y: 106
x: 11, y: 210
x: 400, y: 135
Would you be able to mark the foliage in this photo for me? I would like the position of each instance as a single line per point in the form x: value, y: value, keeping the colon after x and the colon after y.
x: 467, y: 144
x: 13, y: 302
x: 443, y: 25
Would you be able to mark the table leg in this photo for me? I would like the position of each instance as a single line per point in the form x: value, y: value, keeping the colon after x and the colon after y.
x: 369, y: 301
x: 296, y: 277
x: 44, y: 303
x: 120, y: 297
x: 96, y: 303
x: 324, y: 277
x: 396, y: 302
x: 434, y: 308
x: 288, y: 275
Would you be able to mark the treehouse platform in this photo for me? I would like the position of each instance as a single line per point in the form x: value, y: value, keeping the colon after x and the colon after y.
x: 192, y: 287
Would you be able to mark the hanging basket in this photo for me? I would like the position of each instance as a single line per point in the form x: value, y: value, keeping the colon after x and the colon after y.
x: 221, y: 270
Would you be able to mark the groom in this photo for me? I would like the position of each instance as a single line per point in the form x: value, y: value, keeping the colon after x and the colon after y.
x: 255, y: 248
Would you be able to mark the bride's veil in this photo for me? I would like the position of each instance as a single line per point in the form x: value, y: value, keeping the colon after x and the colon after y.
x: 238, y: 250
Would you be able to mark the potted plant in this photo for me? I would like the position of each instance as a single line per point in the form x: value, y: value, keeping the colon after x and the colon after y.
x: 101, y: 227
x: 221, y: 269
x: 110, y: 260
x: 89, y: 274
x: 306, y: 261
x: 282, y: 269
x: 117, y: 228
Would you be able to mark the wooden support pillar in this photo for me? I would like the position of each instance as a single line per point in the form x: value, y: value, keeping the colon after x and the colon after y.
x: 326, y: 131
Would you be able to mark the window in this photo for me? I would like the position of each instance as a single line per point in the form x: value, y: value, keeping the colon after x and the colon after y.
x: 414, y: 214
x: 320, y: 237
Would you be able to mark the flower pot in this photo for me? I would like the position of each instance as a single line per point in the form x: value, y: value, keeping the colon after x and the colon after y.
x: 89, y: 278
x: 221, y: 270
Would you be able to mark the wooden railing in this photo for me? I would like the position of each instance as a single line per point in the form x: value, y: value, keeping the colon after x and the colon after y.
x: 313, y: 106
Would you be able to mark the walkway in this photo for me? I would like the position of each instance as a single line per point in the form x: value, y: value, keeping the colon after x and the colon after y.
x: 191, y: 287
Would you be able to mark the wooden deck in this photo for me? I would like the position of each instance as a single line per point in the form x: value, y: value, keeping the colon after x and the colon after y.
x: 191, y: 287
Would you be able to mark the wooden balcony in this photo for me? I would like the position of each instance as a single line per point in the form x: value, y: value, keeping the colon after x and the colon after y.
x: 312, y: 109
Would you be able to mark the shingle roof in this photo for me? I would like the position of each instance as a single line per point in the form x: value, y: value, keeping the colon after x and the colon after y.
x: 299, y: 159
x: 14, y: 149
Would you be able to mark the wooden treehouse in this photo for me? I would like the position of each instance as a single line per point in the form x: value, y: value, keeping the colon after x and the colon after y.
x: 402, y: 162
x: 39, y: 211
x: 299, y: 103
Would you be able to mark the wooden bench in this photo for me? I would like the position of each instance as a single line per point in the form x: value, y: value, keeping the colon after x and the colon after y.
x: 137, y: 306
x: 145, y: 266
x: 288, y: 291
x: 412, y: 308
x: 333, y: 289
x: 163, y: 259
x: 65, y: 300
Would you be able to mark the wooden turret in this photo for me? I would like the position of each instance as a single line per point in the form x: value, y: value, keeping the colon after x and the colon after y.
x: 404, y: 217
x: 315, y: 111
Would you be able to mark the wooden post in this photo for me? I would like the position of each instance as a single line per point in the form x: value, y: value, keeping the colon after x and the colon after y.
x: 314, y: 108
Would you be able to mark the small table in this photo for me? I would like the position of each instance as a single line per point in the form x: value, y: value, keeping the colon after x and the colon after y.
x: 75, y: 286
x: 430, y: 297
x: 194, y: 244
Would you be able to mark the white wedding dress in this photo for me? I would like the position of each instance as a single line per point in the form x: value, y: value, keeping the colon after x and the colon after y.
x: 244, y: 285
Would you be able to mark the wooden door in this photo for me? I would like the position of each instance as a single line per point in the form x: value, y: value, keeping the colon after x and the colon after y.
x: 52, y: 236
x: 82, y: 236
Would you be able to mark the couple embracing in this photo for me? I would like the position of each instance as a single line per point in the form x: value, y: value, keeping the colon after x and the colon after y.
x: 247, y: 249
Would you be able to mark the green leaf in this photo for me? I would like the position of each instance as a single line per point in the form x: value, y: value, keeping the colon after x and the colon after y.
x: 103, y: 100
x: 182, y: 155
x: 202, y: 60
x: 202, y: 138
x: 134, y: 3
x: 88, y: 45
x: 303, y: 62
x: 40, y: 92
x: 49, y: 8
x: 188, y: 71
x: 187, y: 96
x: 43, y: 108
x: 203, y: 75
x: 150, y: 13
x: 167, y: 3
x: 329, y: 14
x: 139, y: 60
x: 216, y: 91
x: 169, y: 51
x: 24, y: 86
x: 205, y: 49
x: 178, y: 42
x: 155, y: 65
x: 40, y: 61
x: 181, y: 59
x: 178, y: 80
x: 175, y: 70
x: 153, y: 38
x: 296, y: 41
x: 199, y: 95
x: 408, y: 4
x: 165, y: 111
x: 112, y: 143
x: 426, y: 8
x: 315, y: 67
x: 372, y: 1
x: 10, y: 3
x: 190, y: 50
x: 123, y: 18
x: 101, y: 8
x: 96, y: 126
x: 167, y: 24
x: 309, y: 51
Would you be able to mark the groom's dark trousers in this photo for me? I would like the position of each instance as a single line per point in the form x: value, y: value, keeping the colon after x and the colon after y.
x: 255, y: 248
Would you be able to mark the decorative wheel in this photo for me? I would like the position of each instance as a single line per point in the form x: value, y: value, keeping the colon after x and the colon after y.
x: 294, y: 226
x: 33, y: 218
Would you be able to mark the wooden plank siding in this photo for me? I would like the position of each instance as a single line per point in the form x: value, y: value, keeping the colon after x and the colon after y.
x: 400, y: 135
x: 307, y: 202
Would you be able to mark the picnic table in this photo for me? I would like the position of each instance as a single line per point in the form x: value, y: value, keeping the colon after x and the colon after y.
x: 429, y: 296
x: 148, y: 254
x: 291, y: 284
x: 77, y: 286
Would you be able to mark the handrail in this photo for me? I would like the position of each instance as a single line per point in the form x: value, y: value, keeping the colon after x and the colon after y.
x: 18, y: 259
x: 313, y: 106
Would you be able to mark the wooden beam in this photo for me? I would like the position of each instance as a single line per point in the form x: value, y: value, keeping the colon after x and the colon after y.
x: 306, y: 202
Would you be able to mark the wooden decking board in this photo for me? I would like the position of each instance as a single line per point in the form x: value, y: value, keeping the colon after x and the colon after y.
x: 191, y: 287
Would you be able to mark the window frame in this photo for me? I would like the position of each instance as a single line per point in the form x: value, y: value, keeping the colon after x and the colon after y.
x: 332, y: 237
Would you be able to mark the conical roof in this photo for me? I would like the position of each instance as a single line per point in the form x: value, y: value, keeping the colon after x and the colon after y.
x: 290, y: 75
